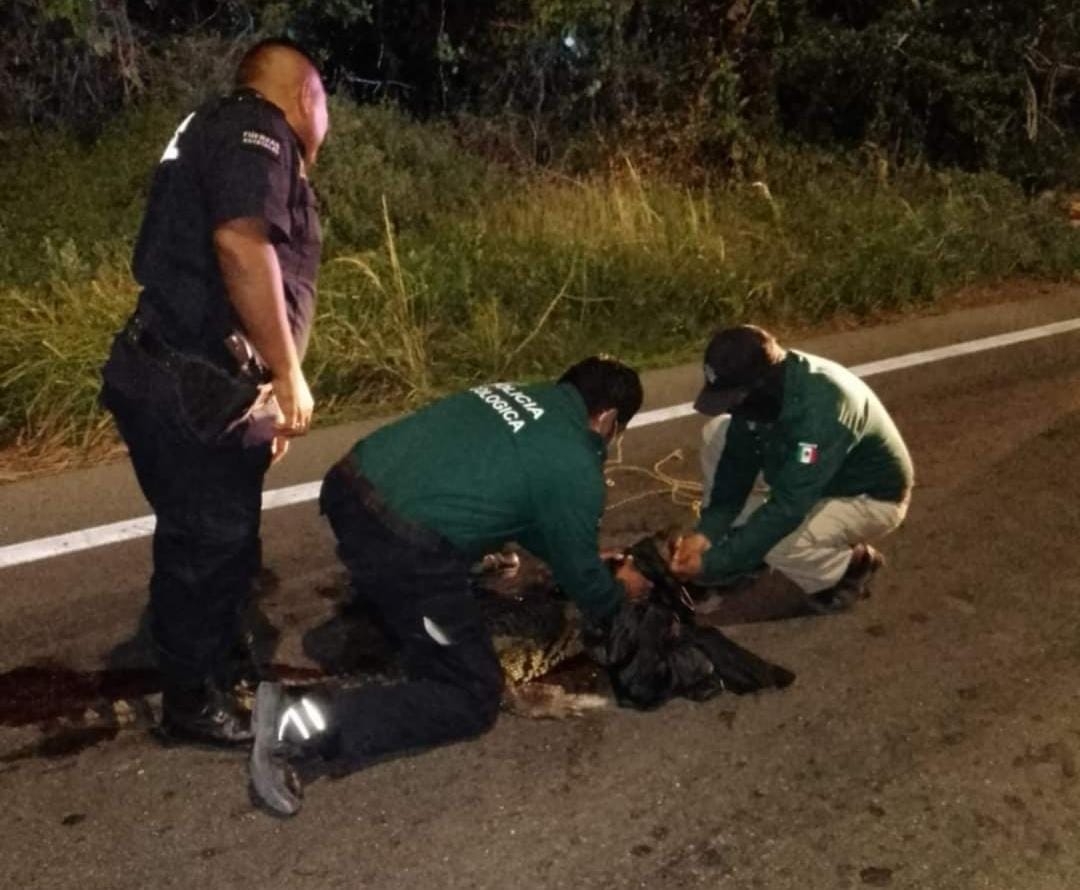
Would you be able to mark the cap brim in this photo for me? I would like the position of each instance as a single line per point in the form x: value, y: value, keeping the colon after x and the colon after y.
x: 714, y: 402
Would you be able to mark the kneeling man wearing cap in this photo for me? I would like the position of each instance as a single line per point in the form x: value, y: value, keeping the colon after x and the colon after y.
x: 803, y: 470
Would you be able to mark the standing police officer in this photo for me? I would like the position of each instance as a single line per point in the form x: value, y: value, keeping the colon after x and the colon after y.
x: 227, y: 258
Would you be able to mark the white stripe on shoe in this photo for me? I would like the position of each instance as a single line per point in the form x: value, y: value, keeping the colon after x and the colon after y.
x: 436, y: 633
x: 292, y: 716
x: 318, y: 722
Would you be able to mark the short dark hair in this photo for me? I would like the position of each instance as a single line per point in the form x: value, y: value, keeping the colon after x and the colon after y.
x: 248, y: 69
x: 740, y: 355
x: 606, y: 383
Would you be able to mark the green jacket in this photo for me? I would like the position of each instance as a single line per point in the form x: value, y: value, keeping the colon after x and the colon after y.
x: 833, y: 439
x: 503, y: 463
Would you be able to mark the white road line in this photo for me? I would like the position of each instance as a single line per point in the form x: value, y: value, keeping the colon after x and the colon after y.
x: 898, y: 363
x: 102, y: 535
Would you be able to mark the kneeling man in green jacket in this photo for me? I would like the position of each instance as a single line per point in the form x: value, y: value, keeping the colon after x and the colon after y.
x: 803, y: 469
x: 412, y: 506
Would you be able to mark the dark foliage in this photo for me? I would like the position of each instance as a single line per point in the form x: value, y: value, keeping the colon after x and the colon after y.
x: 977, y: 86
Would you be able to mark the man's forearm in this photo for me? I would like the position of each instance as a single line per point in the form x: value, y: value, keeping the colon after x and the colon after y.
x: 744, y: 548
x: 252, y: 275
x: 716, y: 520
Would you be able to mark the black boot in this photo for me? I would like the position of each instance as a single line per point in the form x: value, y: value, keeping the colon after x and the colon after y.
x: 241, y: 672
x: 854, y: 586
x: 202, y: 715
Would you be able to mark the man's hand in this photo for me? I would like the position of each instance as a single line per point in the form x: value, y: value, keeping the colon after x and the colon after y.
x: 279, y: 447
x: 689, y: 554
x: 637, y: 586
x: 295, y: 404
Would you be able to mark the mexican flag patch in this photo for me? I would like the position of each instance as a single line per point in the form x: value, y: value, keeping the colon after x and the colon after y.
x: 808, y: 453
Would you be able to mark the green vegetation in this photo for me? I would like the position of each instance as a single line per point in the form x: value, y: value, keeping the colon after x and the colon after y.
x: 532, y: 180
x: 702, y: 83
x: 443, y: 268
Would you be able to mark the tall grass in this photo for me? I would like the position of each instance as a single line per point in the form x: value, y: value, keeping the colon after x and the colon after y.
x: 555, y: 269
x: 440, y: 270
x: 53, y: 342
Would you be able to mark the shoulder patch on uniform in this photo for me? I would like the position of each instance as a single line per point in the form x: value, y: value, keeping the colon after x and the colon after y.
x: 256, y: 140
x: 808, y: 453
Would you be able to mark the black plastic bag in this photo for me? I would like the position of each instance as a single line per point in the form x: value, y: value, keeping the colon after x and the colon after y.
x: 655, y: 651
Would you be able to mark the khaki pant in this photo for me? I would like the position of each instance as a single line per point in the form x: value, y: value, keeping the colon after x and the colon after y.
x: 815, y: 555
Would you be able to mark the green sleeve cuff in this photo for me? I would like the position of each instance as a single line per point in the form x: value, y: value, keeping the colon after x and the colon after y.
x: 714, y: 523
x: 717, y: 566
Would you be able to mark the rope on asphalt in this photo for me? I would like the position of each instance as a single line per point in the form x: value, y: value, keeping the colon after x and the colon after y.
x: 683, y: 492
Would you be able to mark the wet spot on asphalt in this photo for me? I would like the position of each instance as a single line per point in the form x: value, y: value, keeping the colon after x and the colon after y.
x: 1054, y: 753
x: 1050, y: 849
x: 876, y: 876
x: 713, y: 858
x: 267, y: 582
x: 65, y: 743
x: 36, y: 693
x: 330, y: 592
x: 962, y: 603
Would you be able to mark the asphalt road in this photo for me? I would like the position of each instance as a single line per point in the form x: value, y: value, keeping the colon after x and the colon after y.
x: 930, y: 740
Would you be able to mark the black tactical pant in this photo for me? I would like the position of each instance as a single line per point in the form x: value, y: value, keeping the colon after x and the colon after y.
x: 207, y: 500
x: 419, y: 586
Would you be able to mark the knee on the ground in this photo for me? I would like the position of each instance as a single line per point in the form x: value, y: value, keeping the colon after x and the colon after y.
x: 485, y: 695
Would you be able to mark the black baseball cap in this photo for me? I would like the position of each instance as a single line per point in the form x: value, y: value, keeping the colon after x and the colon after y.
x: 736, y: 360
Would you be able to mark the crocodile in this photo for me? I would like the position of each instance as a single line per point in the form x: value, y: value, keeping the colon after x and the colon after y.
x: 535, y: 631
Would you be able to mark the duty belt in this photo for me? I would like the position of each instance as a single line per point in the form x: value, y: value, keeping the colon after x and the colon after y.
x: 139, y: 331
x: 234, y: 354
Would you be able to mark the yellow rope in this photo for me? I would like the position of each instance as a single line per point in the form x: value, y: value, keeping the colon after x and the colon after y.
x: 683, y: 492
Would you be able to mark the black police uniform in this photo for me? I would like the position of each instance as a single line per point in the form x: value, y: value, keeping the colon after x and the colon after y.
x: 176, y: 390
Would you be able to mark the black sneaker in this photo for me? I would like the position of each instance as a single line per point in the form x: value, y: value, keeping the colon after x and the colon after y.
x: 854, y: 586
x: 866, y: 561
x: 836, y: 599
x: 206, y: 717
x: 275, y: 784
